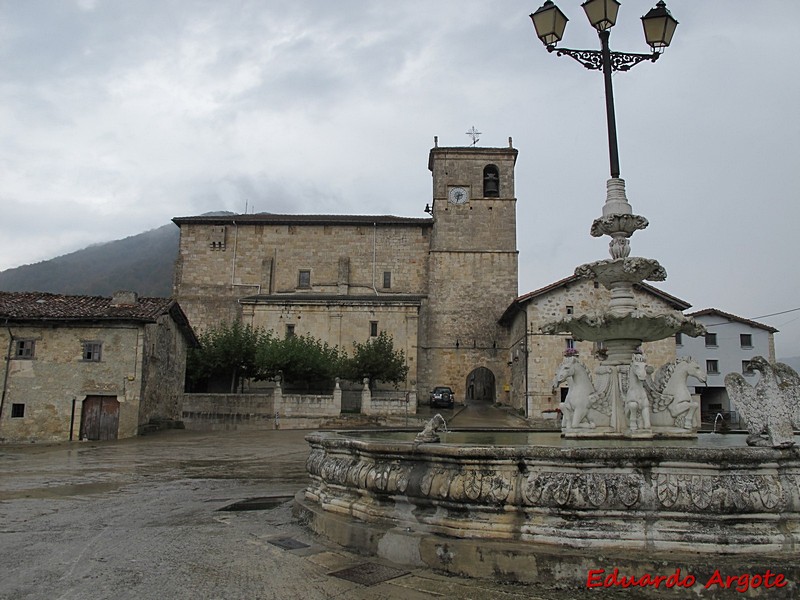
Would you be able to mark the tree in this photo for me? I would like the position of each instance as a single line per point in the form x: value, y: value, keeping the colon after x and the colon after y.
x: 227, y: 349
x: 377, y: 360
x: 298, y: 359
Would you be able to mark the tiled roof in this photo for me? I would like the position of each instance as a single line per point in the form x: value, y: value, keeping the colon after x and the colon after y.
x: 40, y: 306
x: 277, y: 219
x: 719, y: 313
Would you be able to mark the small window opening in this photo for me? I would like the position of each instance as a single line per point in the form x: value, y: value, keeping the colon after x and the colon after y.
x: 387, y: 280
x: 92, y: 351
x: 17, y: 411
x: 304, y: 279
x: 24, y: 348
x: 373, y: 329
x: 290, y: 330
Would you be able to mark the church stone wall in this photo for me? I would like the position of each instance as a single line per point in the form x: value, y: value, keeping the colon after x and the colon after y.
x: 493, y: 226
x: 267, y: 259
x: 342, y: 322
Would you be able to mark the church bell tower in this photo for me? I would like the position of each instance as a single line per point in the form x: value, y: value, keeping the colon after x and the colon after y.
x: 473, y: 271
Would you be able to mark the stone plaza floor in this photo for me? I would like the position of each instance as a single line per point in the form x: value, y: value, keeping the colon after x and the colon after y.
x: 145, y: 518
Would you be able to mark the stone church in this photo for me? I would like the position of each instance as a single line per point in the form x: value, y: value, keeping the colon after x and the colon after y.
x: 444, y: 287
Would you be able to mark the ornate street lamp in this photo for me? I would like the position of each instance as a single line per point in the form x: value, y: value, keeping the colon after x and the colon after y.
x: 659, y: 27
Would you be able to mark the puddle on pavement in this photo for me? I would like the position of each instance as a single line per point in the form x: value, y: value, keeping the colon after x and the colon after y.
x: 259, y: 503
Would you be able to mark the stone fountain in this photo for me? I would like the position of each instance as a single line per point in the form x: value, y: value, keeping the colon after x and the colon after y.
x: 624, y: 399
x: 632, y: 488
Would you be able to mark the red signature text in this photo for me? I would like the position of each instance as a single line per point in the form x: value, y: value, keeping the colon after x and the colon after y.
x: 741, y: 583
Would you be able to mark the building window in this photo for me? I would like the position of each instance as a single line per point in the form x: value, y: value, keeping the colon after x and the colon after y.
x: 679, y: 339
x: 24, y: 348
x: 712, y: 367
x: 746, y: 340
x: 570, y: 344
x: 92, y: 351
x: 711, y: 340
x: 491, y: 182
x: 304, y: 279
x: 290, y: 330
x: 387, y: 280
x: 17, y: 411
x: 570, y: 310
x: 746, y: 368
x: 373, y: 329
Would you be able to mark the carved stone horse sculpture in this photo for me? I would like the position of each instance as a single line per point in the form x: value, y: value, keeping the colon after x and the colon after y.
x: 668, y: 391
x: 580, y: 397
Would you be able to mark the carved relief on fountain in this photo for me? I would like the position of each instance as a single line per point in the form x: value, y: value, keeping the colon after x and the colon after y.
x: 632, y: 400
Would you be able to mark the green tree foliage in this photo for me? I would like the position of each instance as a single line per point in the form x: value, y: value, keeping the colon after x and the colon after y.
x: 298, y: 359
x: 227, y: 349
x: 378, y: 360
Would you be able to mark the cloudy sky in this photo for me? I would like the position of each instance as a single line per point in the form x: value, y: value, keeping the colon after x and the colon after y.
x: 118, y: 115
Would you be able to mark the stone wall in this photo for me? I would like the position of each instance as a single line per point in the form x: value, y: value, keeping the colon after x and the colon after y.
x: 163, y: 371
x: 343, y: 259
x: 273, y: 409
x: 386, y: 403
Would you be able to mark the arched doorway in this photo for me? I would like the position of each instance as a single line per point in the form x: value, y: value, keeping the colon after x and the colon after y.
x: 480, y: 387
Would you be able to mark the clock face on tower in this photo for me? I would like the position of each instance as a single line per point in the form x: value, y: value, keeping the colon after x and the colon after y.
x: 458, y: 195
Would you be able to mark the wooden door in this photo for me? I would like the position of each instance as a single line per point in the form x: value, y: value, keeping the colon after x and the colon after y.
x: 100, y: 418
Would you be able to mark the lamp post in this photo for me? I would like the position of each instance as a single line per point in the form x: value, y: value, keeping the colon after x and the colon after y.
x: 659, y: 27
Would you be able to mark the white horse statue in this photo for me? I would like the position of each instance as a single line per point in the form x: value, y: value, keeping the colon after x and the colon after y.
x: 581, y: 394
x: 668, y: 390
x: 637, y: 403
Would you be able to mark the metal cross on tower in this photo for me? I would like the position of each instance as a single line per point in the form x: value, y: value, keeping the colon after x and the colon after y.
x: 474, y: 133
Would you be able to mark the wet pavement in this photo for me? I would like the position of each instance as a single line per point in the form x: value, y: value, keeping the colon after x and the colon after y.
x: 145, y: 518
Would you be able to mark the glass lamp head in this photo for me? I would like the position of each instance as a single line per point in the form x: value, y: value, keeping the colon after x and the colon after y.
x: 550, y: 23
x: 659, y: 26
x: 602, y: 14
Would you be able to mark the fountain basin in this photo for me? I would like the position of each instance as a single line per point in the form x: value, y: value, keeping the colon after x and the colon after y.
x: 522, y: 501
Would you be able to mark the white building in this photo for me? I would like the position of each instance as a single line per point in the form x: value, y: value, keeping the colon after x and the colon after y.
x: 728, y: 347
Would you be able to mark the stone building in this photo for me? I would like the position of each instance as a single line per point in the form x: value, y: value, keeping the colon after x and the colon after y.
x: 89, y: 367
x: 438, y: 284
x: 534, y: 357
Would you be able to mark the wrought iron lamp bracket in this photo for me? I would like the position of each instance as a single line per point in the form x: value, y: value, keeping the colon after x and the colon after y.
x: 593, y: 59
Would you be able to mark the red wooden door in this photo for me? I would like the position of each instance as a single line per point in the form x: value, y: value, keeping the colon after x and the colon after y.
x: 100, y: 418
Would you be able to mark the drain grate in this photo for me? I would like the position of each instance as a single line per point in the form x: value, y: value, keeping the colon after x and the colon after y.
x: 288, y: 544
x: 262, y: 503
x: 369, y: 573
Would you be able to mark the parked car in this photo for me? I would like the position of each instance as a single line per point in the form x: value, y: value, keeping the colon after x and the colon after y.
x: 442, y: 396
